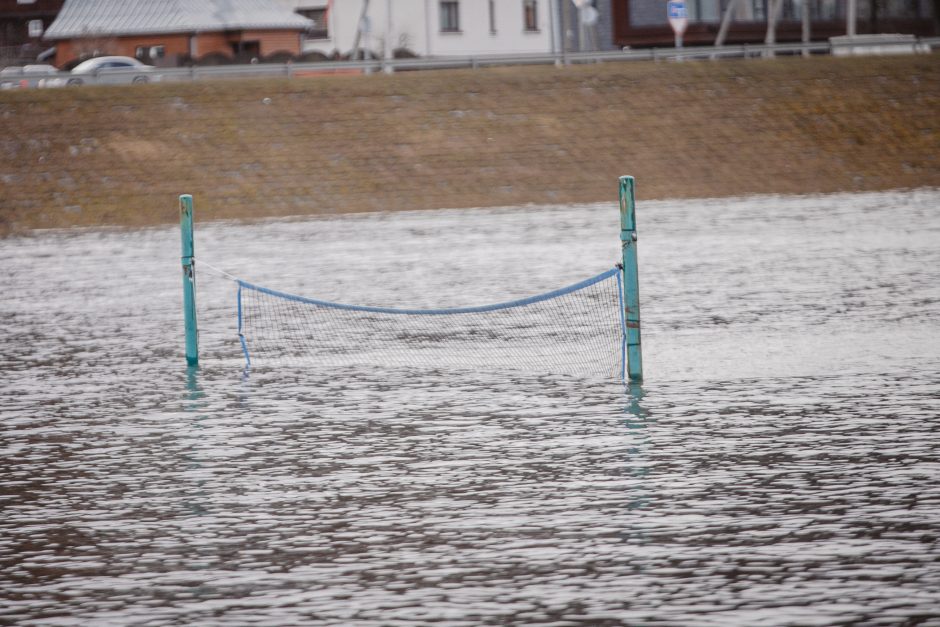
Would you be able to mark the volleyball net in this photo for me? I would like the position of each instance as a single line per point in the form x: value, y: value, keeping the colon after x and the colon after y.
x: 576, y: 330
x: 590, y: 328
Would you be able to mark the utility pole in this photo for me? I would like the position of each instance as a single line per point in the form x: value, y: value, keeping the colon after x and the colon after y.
x: 553, y: 23
x: 565, y: 17
x: 581, y: 29
x: 772, y: 10
x: 388, y: 37
x: 726, y: 23
x: 804, y: 11
x: 362, y: 17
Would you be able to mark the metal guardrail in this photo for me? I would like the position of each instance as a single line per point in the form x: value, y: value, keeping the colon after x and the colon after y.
x: 291, y: 70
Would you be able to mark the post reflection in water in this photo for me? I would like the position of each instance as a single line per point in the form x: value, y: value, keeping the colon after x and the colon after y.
x: 195, y: 498
x: 637, y: 451
x: 194, y: 389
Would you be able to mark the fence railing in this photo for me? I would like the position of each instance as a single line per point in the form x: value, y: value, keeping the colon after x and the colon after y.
x: 292, y: 70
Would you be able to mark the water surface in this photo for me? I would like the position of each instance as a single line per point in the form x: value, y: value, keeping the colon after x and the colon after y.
x: 779, y: 465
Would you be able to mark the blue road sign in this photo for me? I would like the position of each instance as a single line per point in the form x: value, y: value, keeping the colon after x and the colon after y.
x: 675, y: 9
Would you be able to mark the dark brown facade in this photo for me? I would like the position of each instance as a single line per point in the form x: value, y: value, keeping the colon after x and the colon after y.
x: 22, y: 23
x: 636, y: 23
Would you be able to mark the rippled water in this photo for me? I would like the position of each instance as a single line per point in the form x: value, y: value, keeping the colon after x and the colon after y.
x: 778, y: 466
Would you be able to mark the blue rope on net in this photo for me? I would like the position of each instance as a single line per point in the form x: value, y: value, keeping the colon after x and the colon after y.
x: 522, y: 302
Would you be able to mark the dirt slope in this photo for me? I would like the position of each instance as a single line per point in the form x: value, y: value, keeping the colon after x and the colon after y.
x: 121, y: 155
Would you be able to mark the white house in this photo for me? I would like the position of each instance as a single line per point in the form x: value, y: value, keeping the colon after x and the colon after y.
x: 431, y: 27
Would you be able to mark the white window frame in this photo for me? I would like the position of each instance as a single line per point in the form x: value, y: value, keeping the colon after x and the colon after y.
x: 34, y: 28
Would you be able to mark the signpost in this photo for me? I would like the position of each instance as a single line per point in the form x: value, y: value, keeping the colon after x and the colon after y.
x: 678, y: 18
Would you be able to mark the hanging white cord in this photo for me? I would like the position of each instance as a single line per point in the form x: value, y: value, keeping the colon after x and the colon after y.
x: 222, y: 273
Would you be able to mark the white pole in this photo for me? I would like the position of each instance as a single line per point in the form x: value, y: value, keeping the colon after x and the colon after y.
x: 565, y: 18
x: 806, y: 33
x: 362, y: 17
x: 581, y: 29
x: 771, y: 38
x: 388, y: 36
x: 726, y: 23
x: 553, y: 26
x: 427, y: 26
x: 851, y: 10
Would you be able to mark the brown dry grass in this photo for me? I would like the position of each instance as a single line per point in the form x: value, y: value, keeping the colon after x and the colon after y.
x: 121, y: 155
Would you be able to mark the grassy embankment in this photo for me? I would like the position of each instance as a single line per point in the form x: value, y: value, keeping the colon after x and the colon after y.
x: 121, y: 155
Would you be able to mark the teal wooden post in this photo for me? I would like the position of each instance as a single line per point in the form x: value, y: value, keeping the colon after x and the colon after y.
x: 189, y: 280
x: 631, y: 279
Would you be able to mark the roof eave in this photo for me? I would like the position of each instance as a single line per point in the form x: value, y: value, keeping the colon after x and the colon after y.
x: 166, y: 31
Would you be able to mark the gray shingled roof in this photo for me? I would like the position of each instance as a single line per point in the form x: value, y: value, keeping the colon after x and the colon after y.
x: 137, y: 17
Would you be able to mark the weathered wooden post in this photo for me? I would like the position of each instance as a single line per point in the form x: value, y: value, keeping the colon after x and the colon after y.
x: 189, y: 280
x: 631, y: 281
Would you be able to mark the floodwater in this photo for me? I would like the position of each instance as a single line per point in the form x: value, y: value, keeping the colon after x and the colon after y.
x: 778, y: 466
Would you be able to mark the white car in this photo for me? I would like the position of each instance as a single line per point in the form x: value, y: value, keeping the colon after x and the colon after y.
x: 107, y: 71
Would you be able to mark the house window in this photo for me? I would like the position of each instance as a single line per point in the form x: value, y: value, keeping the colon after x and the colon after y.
x: 321, y: 27
x: 826, y: 10
x: 530, y: 14
x: 492, y: 17
x: 246, y: 51
x: 450, y: 16
x: 35, y: 28
x: 704, y: 10
x: 149, y: 53
x: 26, y: 1
x: 790, y: 10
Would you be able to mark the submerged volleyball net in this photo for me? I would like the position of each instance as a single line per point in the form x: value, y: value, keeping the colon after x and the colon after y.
x: 590, y: 328
x: 577, y: 330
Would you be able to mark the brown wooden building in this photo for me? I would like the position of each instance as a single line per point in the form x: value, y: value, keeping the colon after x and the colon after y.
x: 22, y: 25
x: 174, y: 32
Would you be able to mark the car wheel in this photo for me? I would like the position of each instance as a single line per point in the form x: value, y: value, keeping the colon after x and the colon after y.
x: 75, y: 81
x: 138, y: 80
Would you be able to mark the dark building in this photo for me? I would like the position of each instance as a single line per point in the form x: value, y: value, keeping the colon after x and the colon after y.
x: 22, y: 24
x: 643, y: 23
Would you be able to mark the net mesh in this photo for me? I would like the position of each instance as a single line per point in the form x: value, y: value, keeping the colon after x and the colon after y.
x: 577, y: 330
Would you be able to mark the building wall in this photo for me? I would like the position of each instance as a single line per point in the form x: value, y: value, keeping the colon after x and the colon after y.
x: 475, y: 36
x: 273, y: 41
x: 211, y: 43
x: 408, y: 26
x: 643, y: 22
x: 178, y: 46
x: 415, y: 24
x: 67, y: 51
x: 598, y: 36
